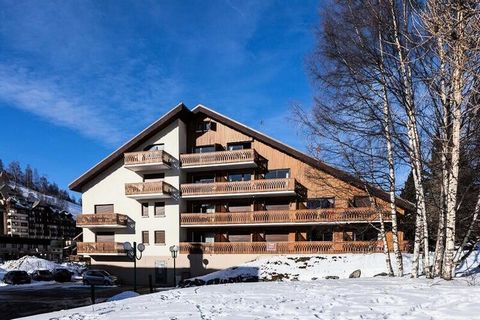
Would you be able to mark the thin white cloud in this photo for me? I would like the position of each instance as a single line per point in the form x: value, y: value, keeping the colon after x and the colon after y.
x: 44, y: 98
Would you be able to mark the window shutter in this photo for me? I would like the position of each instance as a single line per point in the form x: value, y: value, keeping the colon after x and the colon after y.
x: 160, y: 237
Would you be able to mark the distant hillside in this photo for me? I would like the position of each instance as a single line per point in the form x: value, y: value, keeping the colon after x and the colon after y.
x: 29, y: 178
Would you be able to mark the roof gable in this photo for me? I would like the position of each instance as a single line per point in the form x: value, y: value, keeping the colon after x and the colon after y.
x: 178, y: 111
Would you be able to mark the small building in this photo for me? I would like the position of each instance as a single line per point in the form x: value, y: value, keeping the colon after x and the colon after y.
x: 225, y: 194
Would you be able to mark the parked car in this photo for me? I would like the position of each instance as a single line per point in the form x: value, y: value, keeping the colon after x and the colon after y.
x: 17, y: 277
x: 62, y: 275
x: 42, y: 275
x: 99, y: 277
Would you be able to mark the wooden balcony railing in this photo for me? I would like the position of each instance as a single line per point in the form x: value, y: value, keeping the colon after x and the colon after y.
x: 101, y: 219
x: 252, y: 186
x: 219, y: 157
x: 100, y: 248
x: 148, y: 157
x: 299, y: 247
x: 145, y: 188
x: 283, y: 216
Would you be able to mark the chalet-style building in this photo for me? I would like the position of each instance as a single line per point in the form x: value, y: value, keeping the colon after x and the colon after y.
x: 225, y: 194
x: 31, y: 226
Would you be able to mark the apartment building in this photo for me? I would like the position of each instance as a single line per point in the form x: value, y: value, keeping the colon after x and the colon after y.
x: 225, y: 194
x: 31, y: 226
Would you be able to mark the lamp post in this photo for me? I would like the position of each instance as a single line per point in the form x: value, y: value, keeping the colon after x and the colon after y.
x: 174, y: 252
x: 132, y: 254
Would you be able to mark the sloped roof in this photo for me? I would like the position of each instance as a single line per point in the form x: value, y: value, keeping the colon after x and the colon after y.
x: 178, y: 111
x: 182, y: 111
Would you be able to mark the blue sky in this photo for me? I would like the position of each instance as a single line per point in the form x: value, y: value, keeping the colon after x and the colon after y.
x: 79, y: 78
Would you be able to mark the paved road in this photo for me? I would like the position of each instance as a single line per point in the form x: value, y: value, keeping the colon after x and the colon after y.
x: 25, y: 300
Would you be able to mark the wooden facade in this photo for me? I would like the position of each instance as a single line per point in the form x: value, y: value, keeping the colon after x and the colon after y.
x: 250, y: 223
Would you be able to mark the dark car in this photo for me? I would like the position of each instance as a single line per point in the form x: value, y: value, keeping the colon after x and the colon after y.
x: 17, y: 277
x: 99, y: 277
x: 62, y: 275
x: 42, y: 275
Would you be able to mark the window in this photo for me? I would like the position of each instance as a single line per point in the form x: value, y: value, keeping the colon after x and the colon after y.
x: 159, y: 209
x: 152, y: 177
x: 105, y: 237
x: 104, y: 208
x: 240, y: 237
x: 276, y: 237
x: 321, y: 203
x: 278, y: 174
x: 144, y: 209
x: 145, y: 237
x: 277, y: 205
x: 204, y: 126
x: 204, y: 178
x: 239, y: 146
x: 240, y: 206
x: 160, y: 237
x: 204, y: 149
x: 154, y: 147
x: 239, y: 177
x: 361, y: 201
x: 204, y: 208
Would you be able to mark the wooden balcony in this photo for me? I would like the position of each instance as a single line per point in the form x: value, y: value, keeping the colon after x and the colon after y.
x: 100, y: 248
x: 306, y: 216
x: 299, y: 247
x: 149, y: 190
x: 231, y: 159
x: 270, y: 187
x: 148, y: 160
x: 102, y: 220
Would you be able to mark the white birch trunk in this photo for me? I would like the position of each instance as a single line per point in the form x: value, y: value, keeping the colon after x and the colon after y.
x: 444, y: 135
x: 387, y: 126
x: 457, y: 85
x: 476, y: 213
x: 414, y: 150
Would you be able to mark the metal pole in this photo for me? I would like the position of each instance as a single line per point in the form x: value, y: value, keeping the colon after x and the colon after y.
x: 135, y: 266
x: 174, y: 273
x: 92, y: 293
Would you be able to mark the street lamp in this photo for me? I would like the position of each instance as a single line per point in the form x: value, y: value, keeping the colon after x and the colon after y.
x: 174, y: 252
x: 132, y: 254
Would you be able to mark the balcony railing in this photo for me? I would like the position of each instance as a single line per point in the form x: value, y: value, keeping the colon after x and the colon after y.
x: 100, y: 248
x: 102, y: 220
x: 143, y: 160
x: 299, y: 247
x: 239, y: 157
x: 147, y: 190
x: 282, y: 186
x: 284, y: 216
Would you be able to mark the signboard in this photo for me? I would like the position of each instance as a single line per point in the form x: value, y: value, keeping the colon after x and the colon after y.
x: 271, y: 246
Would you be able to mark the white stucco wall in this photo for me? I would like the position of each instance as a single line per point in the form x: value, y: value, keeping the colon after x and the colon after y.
x: 109, y: 188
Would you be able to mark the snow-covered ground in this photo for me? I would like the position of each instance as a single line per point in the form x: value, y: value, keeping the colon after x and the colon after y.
x: 364, y: 298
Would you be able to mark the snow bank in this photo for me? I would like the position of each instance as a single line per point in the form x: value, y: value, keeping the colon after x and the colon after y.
x: 297, y: 267
x: 123, y: 295
x: 31, y: 263
x: 304, y: 268
x: 368, y: 298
